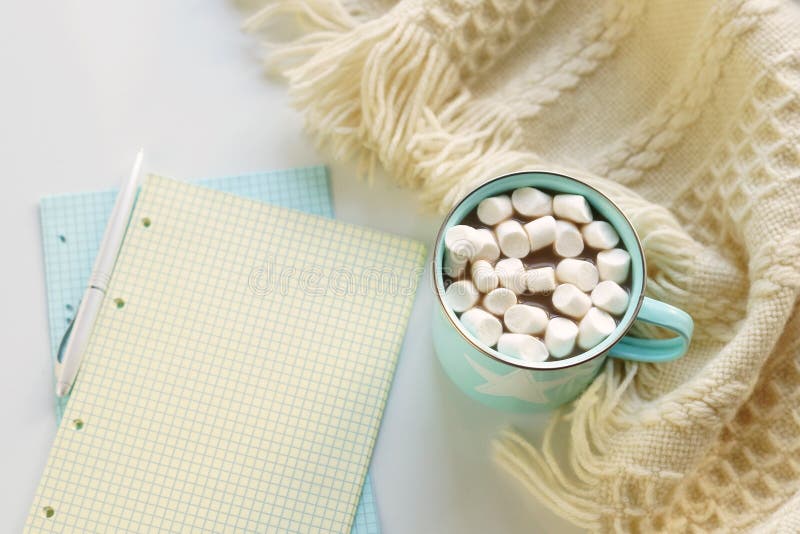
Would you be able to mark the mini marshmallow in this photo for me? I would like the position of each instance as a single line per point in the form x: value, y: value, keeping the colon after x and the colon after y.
x: 600, y: 234
x: 524, y: 319
x: 609, y: 296
x: 492, y: 210
x: 511, y: 273
x: 460, y: 241
x: 512, y: 239
x: 572, y: 207
x: 580, y: 273
x: 541, y: 232
x: 595, y: 326
x: 613, y: 265
x: 483, y: 325
x: 483, y: 276
x: 486, y: 247
x: 560, y: 337
x: 522, y: 346
x: 571, y: 301
x: 499, y: 300
x: 531, y: 202
x: 541, y: 280
x: 461, y: 295
x: 454, y: 265
x: 568, y: 242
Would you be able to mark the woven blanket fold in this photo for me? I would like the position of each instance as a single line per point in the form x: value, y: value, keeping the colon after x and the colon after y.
x: 685, y: 113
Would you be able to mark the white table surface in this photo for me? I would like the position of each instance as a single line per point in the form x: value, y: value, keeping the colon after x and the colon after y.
x: 84, y: 84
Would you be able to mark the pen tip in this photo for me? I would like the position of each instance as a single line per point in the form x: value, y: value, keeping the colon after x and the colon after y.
x: 62, y: 388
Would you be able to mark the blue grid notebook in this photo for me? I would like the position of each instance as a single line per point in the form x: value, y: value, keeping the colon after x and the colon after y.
x: 73, y: 225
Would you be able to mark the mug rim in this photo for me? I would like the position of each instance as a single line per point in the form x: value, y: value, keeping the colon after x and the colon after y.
x: 496, y: 355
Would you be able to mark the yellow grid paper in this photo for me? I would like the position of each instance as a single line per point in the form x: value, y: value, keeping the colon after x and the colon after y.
x: 239, y: 382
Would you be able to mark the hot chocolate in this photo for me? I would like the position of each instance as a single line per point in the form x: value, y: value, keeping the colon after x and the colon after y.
x: 536, y: 275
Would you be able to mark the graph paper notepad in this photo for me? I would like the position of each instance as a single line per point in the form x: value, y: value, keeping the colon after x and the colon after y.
x: 207, y: 401
x: 72, y: 227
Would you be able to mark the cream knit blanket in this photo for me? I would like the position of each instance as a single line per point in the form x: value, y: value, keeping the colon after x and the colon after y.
x: 687, y: 113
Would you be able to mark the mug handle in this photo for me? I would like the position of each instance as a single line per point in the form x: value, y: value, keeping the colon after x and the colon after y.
x: 657, y: 350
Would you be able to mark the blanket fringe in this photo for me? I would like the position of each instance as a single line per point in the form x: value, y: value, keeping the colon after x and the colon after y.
x: 381, y: 90
x: 576, y: 482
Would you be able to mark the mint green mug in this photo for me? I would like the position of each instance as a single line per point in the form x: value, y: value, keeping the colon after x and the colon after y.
x: 508, y: 383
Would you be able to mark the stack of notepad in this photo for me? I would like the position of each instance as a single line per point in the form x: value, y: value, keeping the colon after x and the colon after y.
x: 237, y: 373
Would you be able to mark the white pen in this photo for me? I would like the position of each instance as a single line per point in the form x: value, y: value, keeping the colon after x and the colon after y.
x: 77, y: 335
